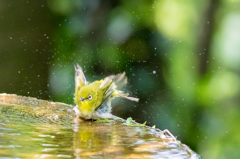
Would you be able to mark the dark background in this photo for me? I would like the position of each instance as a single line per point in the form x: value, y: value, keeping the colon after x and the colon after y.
x: 182, y: 59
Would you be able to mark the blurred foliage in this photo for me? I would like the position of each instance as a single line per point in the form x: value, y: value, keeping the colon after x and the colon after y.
x: 181, y: 59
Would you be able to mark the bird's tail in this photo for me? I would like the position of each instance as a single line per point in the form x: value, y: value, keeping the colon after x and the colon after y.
x: 118, y: 93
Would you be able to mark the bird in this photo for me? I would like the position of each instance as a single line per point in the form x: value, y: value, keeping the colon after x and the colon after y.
x: 93, y: 100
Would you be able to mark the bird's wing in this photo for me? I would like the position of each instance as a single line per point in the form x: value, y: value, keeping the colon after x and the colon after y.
x: 112, y: 84
x: 80, y: 79
x: 119, y: 80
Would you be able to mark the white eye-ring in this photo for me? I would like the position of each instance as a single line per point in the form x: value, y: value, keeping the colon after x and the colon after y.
x: 90, y: 97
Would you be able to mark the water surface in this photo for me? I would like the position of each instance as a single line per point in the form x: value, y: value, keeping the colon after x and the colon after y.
x: 32, y: 128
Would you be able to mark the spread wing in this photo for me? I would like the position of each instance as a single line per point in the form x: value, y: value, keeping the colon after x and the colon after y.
x: 111, y: 86
x: 80, y: 79
x: 114, y: 83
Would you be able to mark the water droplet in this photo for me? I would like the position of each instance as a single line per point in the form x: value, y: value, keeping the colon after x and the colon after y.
x: 154, y: 72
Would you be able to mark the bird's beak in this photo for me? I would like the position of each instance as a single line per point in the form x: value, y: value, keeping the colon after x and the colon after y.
x: 83, y: 99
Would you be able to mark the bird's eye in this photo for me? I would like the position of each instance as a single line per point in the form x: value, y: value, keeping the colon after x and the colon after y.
x: 90, y: 97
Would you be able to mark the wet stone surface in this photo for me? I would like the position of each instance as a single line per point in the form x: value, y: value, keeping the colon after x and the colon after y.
x: 32, y: 128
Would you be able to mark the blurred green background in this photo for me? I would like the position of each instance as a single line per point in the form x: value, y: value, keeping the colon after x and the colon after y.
x: 182, y: 59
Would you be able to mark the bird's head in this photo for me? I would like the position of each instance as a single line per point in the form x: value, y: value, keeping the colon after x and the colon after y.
x: 86, y: 98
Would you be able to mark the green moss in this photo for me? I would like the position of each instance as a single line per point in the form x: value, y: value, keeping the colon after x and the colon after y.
x: 103, y: 121
x: 129, y: 122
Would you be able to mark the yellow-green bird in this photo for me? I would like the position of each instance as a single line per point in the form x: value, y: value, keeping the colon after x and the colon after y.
x: 93, y: 100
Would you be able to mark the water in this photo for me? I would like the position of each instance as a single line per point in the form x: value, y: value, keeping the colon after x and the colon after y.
x: 30, y: 129
x: 21, y: 138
